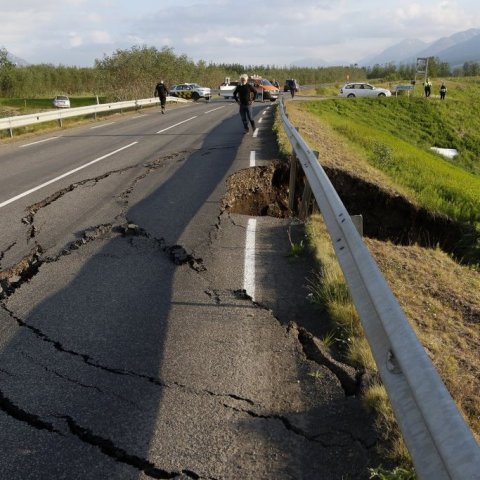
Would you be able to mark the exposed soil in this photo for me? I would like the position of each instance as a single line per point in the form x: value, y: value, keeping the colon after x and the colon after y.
x: 259, y: 191
x: 264, y: 191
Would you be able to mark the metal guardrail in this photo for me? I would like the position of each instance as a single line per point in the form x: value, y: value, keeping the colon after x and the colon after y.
x: 9, y: 123
x: 440, y: 442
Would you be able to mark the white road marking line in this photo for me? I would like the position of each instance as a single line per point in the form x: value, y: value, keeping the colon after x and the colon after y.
x: 39, y: 141
x: 249, y: 264
x: 139, y: 116
x: 218, y: 108
x: 101, y: 126
x: 255, y: 133
x: 252, y: 158
x: 264, y: 112
x: 260, y: 121
x: 179, y: 123
x: 28, y: 192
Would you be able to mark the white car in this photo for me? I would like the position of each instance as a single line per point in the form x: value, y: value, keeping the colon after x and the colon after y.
x: 61, y: 101
x: 355, y: 89
x: 191, y: 91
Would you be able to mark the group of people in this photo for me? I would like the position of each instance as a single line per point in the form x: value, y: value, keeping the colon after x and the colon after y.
x: 427, y: 88
x: 244, y: 94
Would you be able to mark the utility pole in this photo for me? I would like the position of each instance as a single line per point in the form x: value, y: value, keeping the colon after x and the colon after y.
x: 421, y: 69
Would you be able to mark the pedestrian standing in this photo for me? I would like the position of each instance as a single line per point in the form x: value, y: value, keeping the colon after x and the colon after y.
x: 244, y: 94
x: 161, y: 91
x: 443, y: 91
x: 428, y: 87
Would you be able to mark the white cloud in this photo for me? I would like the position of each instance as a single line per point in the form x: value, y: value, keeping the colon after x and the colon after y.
x: 222, y: 31
x: 100, y: 37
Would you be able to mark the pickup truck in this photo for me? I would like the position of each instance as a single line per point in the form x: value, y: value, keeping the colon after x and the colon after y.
x: 226, y: 89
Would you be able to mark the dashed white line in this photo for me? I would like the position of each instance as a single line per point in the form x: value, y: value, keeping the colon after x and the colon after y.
x: 179, y: 123
x: 39, y: 141
x: 210, y: 111
x: 101, y: 126
x: 28, y: 192
x: 255, y: 133
x: 252, y: 158
x: 249, y: 263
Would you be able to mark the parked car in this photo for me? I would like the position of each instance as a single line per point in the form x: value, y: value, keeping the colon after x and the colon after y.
x: 264, y: 88
x: 61, y: 101
x: 190, y: 91
x: 363, y: 90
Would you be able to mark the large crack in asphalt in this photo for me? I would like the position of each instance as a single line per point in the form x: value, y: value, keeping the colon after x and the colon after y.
x: 14, y: 411
x: 108, y: 448
x: 12, y: 278
x: 28, y: 267
x: 85, y: 435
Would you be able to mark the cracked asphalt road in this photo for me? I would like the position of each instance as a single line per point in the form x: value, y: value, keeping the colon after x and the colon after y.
x: 128, y: 349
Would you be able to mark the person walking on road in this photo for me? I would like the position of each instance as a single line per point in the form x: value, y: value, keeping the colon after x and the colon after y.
x: 292, y: 87
x: 244, y: 94
x: 443, y: 91
x: 161, y: 91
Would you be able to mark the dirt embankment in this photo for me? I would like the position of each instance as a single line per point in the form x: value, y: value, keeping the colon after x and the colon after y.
x: 264, y: 191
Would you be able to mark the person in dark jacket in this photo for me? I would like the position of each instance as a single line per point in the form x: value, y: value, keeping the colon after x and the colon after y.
x: 443, y: 91
x: 244, y: 94
x: 161, y: 91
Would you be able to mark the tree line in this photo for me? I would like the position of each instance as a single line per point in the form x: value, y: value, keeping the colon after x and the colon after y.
x: 132, y: 73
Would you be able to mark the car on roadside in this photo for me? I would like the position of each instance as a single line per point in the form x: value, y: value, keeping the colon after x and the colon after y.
x: 190, y: 91
x: 359, y: 89
x: 265, y: 90
x: 61, y: 101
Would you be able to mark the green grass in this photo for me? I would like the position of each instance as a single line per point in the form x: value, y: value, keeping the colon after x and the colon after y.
x: 395, y: 135
x: 21, y: 106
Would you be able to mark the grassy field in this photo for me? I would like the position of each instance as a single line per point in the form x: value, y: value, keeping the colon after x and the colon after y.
x: 386, y: 142
x: 10, y: 107
x: 22, y: 106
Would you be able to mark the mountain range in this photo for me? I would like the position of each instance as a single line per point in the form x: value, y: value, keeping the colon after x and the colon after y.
x: 455, y: 50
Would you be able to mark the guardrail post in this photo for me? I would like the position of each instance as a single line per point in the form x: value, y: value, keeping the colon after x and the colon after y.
x: 306, y: 199
x: 307, y: 196
x: 293, y: 180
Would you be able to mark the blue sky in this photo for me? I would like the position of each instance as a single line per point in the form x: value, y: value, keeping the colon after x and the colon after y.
x: 76, y: 32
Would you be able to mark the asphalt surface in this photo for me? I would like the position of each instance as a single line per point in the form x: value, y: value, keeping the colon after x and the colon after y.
x: 129, y: 347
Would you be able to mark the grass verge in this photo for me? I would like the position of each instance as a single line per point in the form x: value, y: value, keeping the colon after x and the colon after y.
x: 440, y: 297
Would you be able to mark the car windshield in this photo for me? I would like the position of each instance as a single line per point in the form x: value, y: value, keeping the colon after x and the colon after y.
x: 266, y: 82
x: 59, y: 97
x: 193, y: 85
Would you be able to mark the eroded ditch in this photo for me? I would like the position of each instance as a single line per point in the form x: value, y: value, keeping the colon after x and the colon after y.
x: 264, y: 190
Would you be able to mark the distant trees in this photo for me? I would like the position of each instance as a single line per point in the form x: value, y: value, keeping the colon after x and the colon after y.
x: 132, y: 73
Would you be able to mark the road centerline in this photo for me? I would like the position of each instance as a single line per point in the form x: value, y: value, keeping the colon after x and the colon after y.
x: 179, y: 123
x: 66, y: 174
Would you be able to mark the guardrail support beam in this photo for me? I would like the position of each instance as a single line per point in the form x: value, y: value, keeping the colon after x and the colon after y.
x: 293, y: 180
